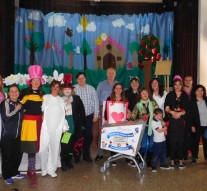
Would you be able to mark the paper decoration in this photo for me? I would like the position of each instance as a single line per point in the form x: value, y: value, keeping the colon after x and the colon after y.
x: 66, y: 138
x: 116, y: 111
x: 123, y: 139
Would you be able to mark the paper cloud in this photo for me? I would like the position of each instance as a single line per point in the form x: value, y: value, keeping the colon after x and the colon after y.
x: 77, y: 49
x: 130, y: 26
x: 56, y: 20
x: 118, y: 23
x: 145, y: 29
x: 91, y: 27
x: 35, y: 15
x: 19, y: 19
x: 79, y: 28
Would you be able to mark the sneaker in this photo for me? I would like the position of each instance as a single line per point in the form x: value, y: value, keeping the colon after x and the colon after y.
x: 9, y: 181
x: 182, y: 166
x: 18, y: 176
x: 44, y: 173
x: 172, y: 166
x: 113, y: 163
x: 132, y: 164
x: 154, y: 169
x: 164, y: 167
x: 194, y: 161
x: 98, y: 158
x: 53, y: 175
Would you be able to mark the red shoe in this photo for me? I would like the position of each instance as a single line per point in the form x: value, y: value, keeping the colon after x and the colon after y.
x: 33, y: 178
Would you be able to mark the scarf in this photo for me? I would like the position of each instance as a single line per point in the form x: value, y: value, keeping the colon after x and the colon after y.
x: 143, y: 111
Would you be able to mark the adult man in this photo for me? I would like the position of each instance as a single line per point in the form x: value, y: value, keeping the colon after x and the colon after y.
x: 188, y: 85
x: 104, y: 91
x: 89, y: 98
x: 187, y: 88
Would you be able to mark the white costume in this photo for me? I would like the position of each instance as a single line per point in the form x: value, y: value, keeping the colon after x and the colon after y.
x: 54, y: 124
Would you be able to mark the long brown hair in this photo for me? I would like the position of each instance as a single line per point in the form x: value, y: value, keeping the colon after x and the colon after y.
x: 113, y: 96
x: 2, y: 87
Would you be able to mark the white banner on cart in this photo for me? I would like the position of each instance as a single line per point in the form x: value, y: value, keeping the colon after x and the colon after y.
x: 121, y: 138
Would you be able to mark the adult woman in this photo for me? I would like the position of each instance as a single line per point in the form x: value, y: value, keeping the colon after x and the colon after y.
x: 132, y: 93
x: 76, y: 118
x: 32, y: 121
x: 12, y: 115
x: 176, y: 130
x: 158, y: 92
x: 116, y: 95
x: 144, y: 110
x: 198, y: 108
x: 53, y: 127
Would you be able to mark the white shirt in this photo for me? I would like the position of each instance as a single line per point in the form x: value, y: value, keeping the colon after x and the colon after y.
x: 158, y: 137
x: 160, y: 100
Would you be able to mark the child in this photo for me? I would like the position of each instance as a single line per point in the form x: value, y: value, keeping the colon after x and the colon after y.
x: 12, y: 116
x: 176, y: 135
x: 144, y: 110
x: 32, y: 121
x: 159, y: 150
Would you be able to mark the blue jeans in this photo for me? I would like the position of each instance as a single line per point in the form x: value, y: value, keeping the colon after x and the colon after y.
x: 147, y: 142
x: 159, y: 152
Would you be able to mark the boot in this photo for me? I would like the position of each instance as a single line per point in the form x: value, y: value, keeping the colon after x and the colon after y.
x: 69, y: 163
x: 149, y: 159
x: 64, y: 165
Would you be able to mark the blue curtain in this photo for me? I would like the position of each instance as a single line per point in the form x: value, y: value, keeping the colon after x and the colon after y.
x: 57, y: 40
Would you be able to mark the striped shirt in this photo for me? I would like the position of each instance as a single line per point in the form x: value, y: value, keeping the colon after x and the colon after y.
x: 89, y: 97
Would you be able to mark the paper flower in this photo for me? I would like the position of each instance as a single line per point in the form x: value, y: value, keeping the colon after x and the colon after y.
x: 12, y: 79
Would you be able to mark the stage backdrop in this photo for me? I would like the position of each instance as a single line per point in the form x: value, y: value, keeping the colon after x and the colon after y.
x: 73, y: 42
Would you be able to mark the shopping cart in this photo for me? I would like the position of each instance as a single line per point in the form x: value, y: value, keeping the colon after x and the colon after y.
x: 125, y: 140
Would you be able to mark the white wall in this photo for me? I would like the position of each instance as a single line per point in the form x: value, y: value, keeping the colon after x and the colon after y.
x: 202, y: 43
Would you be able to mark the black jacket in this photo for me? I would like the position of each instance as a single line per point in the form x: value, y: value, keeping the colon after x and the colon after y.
x: 11, y: 119
x: 194, y: 113
x: 132, y: 98
x: 79, y: 116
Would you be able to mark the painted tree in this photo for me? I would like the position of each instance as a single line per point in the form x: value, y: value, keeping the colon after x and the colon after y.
x: 69, y: 50
x: 85, y: 50
x: 69, y: 47
x: 35, y: 43
x: 133, y: 48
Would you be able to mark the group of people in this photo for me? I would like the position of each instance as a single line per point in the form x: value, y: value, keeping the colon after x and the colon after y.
x: 59, y: 125
x: 173, y: 122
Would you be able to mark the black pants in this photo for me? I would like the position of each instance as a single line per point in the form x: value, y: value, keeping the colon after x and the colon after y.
x: 11, y: 156
x: 88, y: 137
x: 66, y: 149
x: 196, y: 139
x: 176, y: 149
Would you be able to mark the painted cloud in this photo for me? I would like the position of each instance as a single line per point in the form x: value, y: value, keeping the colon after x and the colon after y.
x: 19, y: 19
x: 130, y: 26
x: 56, y: 20
x: 145, y: 29
x: 91, y: 27
x: 118, y: 23
x: 35, y: 15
